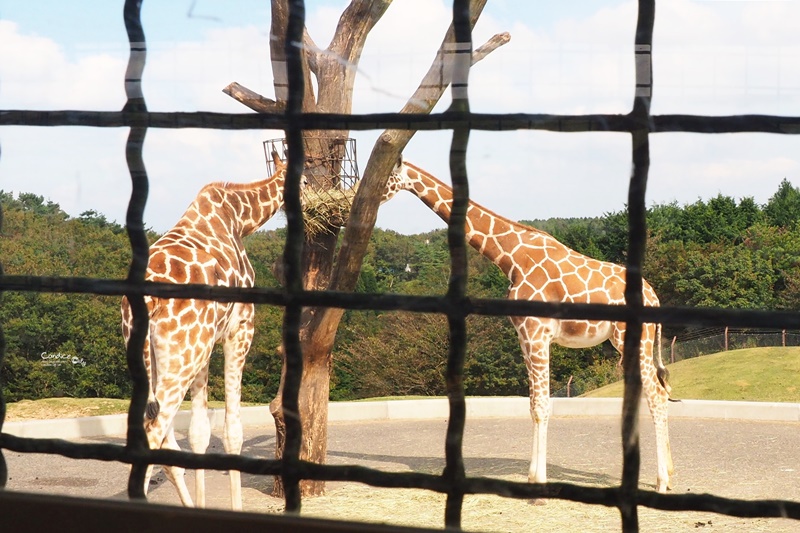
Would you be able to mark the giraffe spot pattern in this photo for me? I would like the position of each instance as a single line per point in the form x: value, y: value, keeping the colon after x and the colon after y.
x: 540, y: 268
x: 205, y: 246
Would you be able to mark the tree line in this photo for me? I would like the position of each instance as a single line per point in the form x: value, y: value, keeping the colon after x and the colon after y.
x: 716, y: 253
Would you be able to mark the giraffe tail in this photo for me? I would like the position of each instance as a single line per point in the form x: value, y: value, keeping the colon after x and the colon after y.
x: 661, y: 371
x: 152, y: 408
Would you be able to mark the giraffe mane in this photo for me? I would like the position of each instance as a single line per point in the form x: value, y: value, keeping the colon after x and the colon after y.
x: 232, y: 185
x: 514, y: 223
x: 237, y: 186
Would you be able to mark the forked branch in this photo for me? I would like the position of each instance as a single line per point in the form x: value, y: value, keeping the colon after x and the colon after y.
x: 384, y: 154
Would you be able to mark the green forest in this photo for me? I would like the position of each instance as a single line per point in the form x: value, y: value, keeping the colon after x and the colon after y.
x: 716, y: 253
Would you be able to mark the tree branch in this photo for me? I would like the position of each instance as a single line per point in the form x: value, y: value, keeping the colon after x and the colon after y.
x: 440, y: 74
x: 346, y: 48
x: 340, y: 60
x: 280, y: 20
x: 312, y: 52
x: 497, y: 40
x: 252, y: 99
x: 354, y: 26
x: 390, y: 144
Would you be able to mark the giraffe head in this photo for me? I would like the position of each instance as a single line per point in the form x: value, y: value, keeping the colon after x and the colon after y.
x: 280, y: 177
x: 402, y: 178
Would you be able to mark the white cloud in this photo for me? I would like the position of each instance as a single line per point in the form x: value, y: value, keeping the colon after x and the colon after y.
x: 727, y: 58
x: 687, y: 167
x: 84, y: 168
x: 397, y: 53
x: 190, y: 76
x: 708, y: 58
x: 78, y: 168
x: 36, y: 74
x: 580, y: 65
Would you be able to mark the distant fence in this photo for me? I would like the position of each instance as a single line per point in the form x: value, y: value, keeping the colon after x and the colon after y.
x: 712, y: 340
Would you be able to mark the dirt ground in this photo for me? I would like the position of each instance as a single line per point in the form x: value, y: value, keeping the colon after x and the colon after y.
x: 748, y: 460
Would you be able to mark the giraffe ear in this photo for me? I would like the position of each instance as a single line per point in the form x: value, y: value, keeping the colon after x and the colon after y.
x: 279, y: 163
x: 398, y: 164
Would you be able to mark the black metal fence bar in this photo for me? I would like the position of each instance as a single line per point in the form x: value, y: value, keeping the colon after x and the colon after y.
x: 454, y: 472
x: 292, y: 258
x: 637, y: 235
x: 434, y: 121
x: 675, y: 316
x: 136, y: 438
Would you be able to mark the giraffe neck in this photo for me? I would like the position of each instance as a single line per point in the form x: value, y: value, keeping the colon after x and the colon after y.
x: 486, y: 231
x: 236, y: 209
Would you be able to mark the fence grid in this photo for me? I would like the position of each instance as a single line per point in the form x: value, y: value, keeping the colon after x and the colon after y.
x: 453, y: 482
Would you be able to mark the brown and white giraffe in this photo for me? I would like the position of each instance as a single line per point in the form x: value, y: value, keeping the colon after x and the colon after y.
x: 205, y: 246
x: 542, y: 269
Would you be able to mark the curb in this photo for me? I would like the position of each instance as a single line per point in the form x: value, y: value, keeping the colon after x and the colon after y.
x: 509, y: 407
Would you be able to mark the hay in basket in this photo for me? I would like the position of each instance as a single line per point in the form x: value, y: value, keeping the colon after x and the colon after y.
x: 326, y: 209
x: 332, y: 169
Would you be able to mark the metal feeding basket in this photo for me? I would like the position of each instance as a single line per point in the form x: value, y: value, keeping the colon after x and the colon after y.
x: 332, y: 172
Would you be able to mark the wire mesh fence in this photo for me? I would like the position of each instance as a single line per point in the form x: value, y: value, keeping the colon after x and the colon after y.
x: 712, y: 340
x: 453, y: 482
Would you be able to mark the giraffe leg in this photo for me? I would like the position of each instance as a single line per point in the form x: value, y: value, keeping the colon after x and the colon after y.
x: 233, y: 438
x: 177, y: 474
x: 663, y: 451
x: 147, y: 476
x: 160, y: 435
x: 658, y: 402
x: 200, y: 430
x: 540, y: 413
x: 235, y: 348
x: 169, y: 349
x: 535, y: 346
x: 152, y: 404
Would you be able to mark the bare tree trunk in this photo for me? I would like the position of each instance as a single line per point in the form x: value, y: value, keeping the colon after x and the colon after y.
x: 335, y: 73
x: 313, y: 405
x: 317, y: 366
x: 335, y: 70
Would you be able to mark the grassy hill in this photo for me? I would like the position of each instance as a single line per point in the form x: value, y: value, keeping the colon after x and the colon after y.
x: 752, y: 374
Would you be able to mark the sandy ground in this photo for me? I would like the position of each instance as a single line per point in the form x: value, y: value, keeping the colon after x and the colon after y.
x: 748, y: 460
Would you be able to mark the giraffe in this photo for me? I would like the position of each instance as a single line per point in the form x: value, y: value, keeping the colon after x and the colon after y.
x: 205, y: 246
x: 540, y: 268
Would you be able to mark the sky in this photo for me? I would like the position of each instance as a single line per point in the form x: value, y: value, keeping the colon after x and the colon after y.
x: 712, y: 57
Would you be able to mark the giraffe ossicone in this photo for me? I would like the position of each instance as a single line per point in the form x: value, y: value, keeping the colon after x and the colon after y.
x: 204, y: 247
x: 540, y: 268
